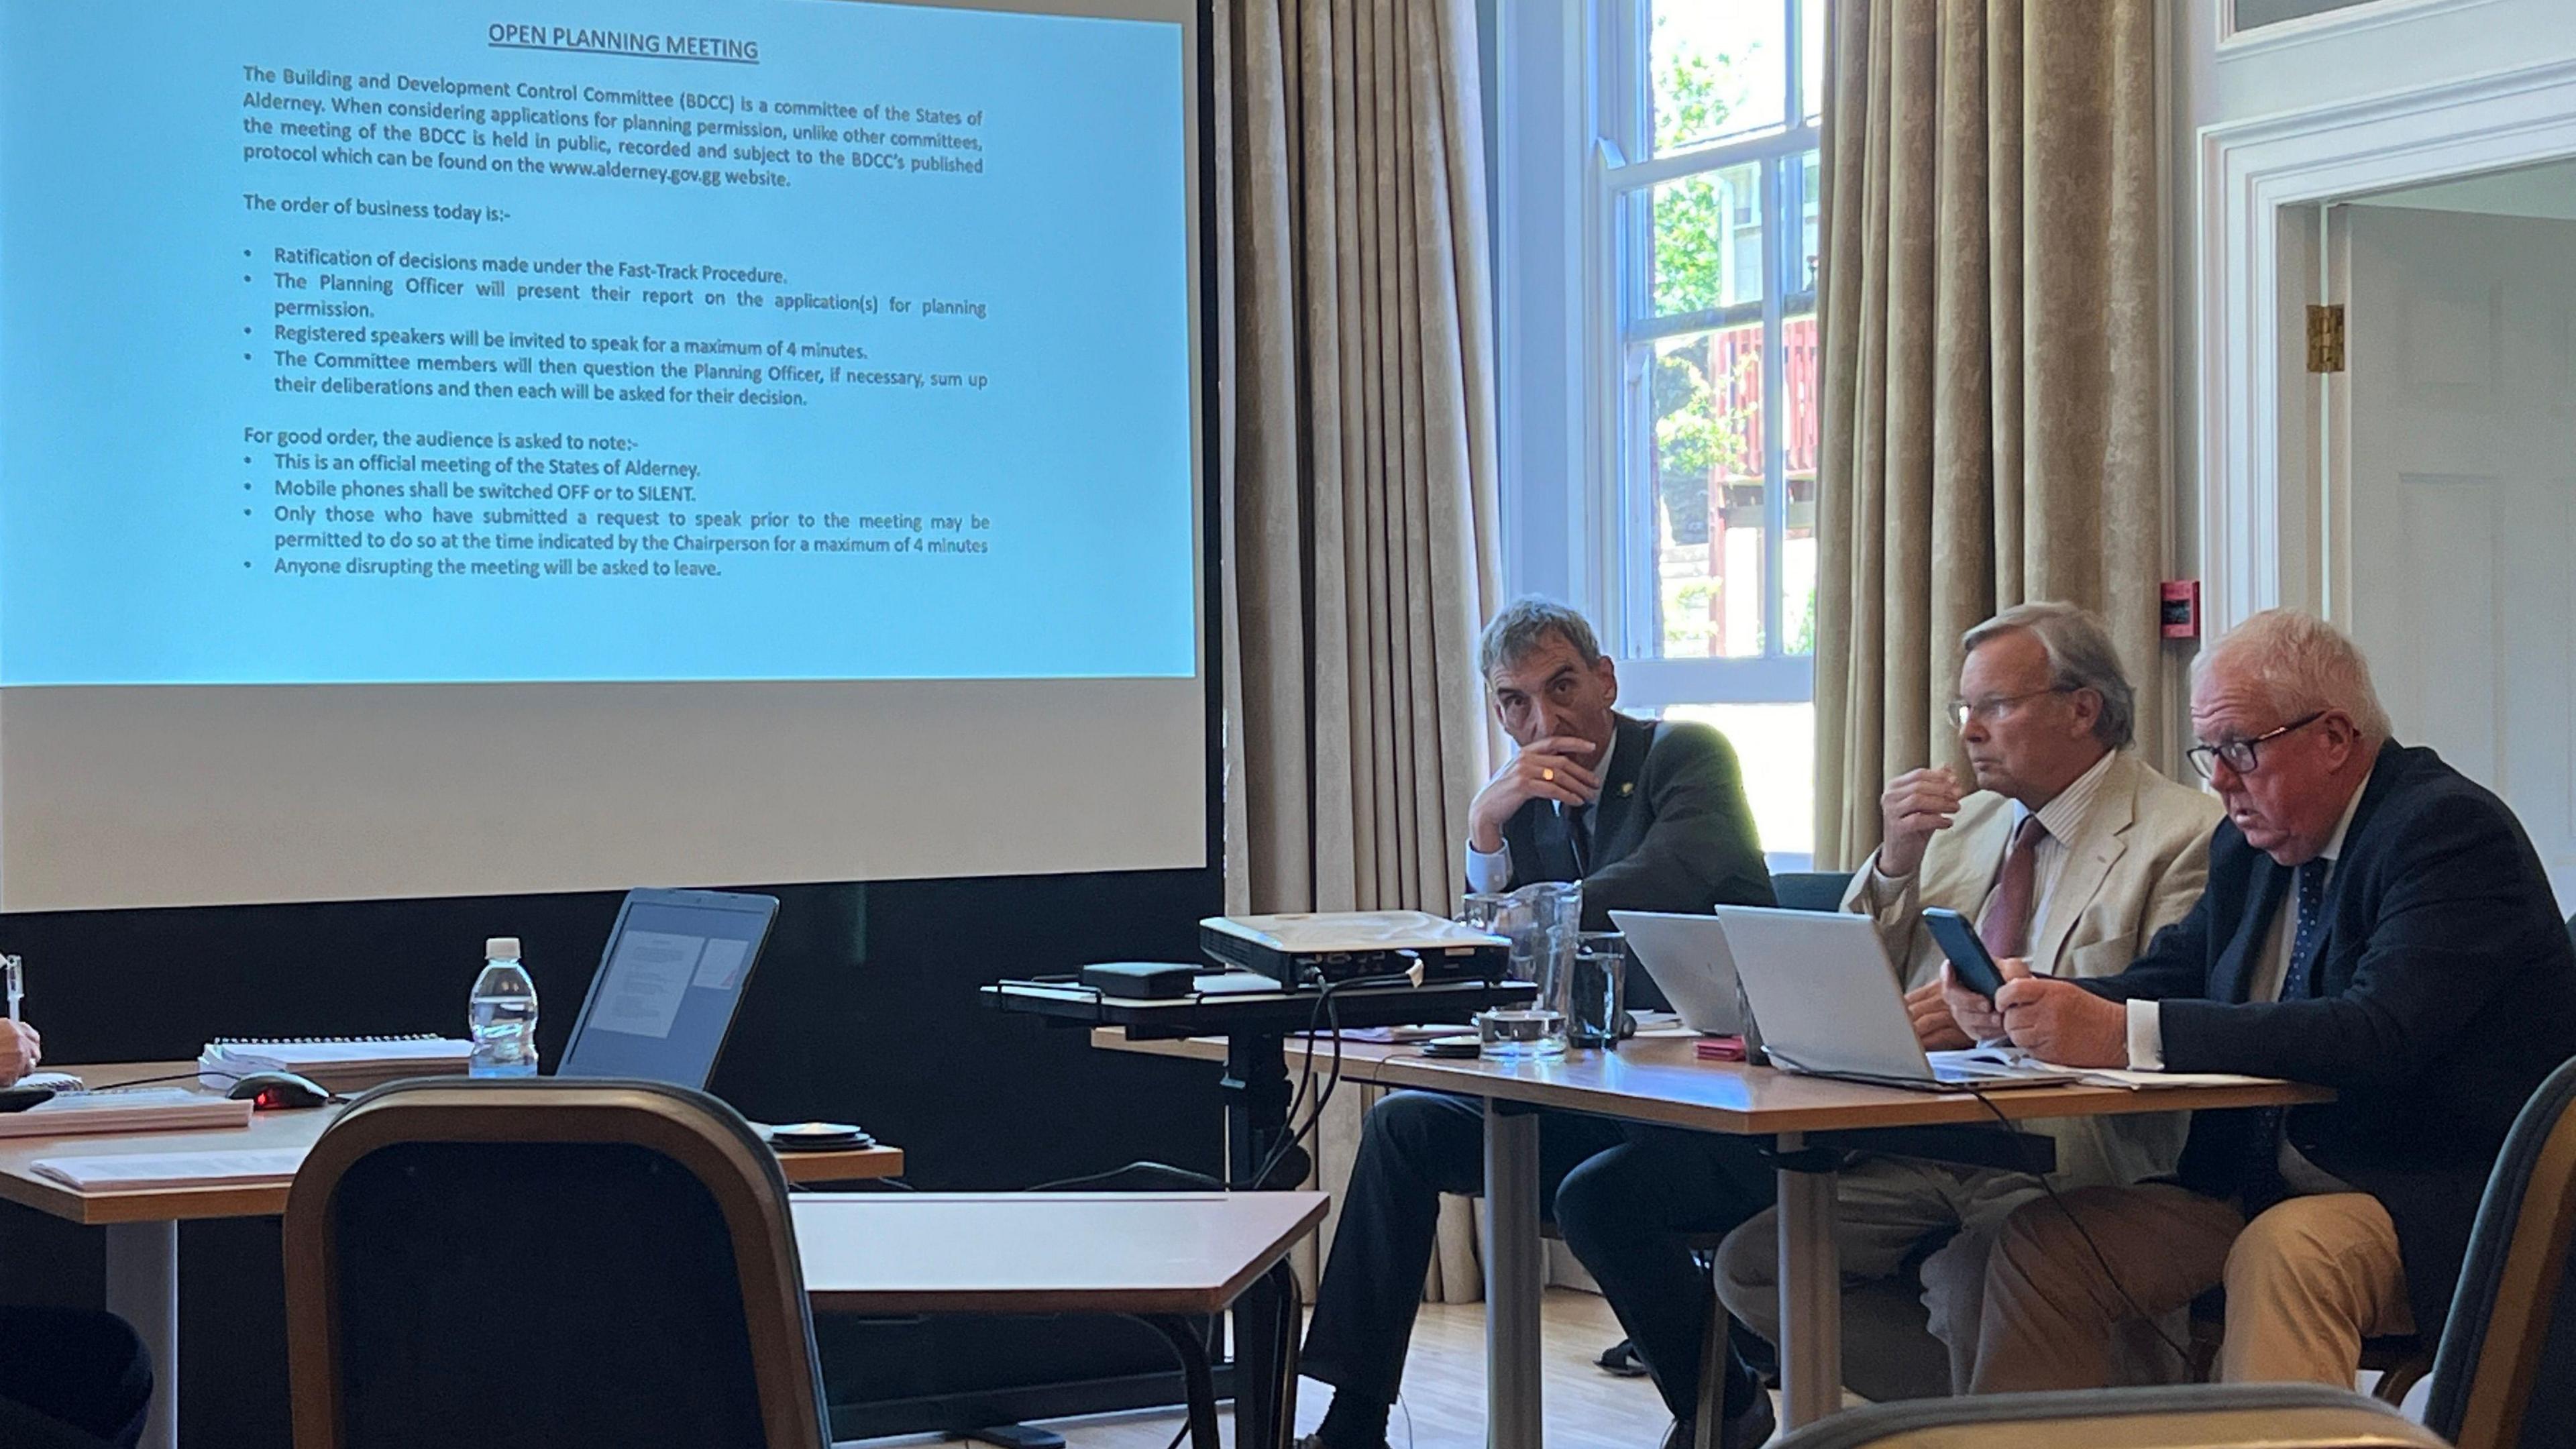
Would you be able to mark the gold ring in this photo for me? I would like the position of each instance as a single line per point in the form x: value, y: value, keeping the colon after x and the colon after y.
x: 1548, y: 775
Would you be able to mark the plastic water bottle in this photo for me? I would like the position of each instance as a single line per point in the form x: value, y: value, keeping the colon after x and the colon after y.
x: 504, y: 1013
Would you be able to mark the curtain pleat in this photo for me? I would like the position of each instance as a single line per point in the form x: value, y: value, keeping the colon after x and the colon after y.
x: 1359, y: 462
x: 1992, y: 318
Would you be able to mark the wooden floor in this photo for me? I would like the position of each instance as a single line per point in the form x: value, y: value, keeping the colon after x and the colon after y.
x: 1444, y: 1389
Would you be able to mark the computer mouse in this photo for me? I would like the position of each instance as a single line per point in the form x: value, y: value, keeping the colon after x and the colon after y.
x: 267, y: 1090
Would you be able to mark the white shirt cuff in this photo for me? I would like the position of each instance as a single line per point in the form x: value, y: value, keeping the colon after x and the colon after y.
x: 2146, y: 1036
x: 1489, y: 874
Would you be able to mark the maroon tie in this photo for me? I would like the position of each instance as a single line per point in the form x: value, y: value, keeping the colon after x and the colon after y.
x: 2005, y: 927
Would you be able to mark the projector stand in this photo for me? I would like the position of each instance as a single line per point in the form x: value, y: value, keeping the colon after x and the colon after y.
x: 1256, y: 1026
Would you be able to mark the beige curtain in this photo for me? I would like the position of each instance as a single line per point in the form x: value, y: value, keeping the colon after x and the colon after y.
x: 1993, y: 381
x: 1359, y: 457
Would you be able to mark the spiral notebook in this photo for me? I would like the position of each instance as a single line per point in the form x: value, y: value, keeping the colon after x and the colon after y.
x: 336, y: 1064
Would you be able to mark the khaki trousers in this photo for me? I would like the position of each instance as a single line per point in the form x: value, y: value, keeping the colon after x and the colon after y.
x: 1884, y: 1208
x: 2306, y: 1283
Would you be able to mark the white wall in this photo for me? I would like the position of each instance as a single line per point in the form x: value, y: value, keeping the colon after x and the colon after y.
x: 2547, y: 192
x: 2368, y: 50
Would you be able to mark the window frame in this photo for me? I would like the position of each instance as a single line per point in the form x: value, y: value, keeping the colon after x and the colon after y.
x: 1616, y: 521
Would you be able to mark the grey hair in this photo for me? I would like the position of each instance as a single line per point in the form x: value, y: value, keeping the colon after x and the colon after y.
x: 2303, y: 665
x: 1522, y: 628
x: 2080, y: 656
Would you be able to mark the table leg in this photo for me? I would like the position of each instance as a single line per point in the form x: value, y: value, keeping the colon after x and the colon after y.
x: 1811, y: 1285
x: 1197, y: 1384
x: 1512, y: 1272
x: 143, y: 1289
x: 1256, y: 1120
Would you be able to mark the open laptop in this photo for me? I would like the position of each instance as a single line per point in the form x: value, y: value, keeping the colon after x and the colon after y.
x: 1686, y: 956
x: 664, y: 997
x: 1828, y: 1001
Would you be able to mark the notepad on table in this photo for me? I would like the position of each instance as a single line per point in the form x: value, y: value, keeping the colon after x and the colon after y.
x: 137, y: 1171
x: 336, y: 1064
x: 143, y: 1109
x: 2137, y: 1081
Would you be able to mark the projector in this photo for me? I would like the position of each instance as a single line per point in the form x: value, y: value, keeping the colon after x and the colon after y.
x: 1316, y: 949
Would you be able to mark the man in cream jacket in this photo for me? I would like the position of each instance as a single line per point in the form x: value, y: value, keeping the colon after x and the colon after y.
x: 2071, y: 853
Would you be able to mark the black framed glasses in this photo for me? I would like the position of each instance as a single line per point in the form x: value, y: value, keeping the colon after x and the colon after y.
x: 1995, y: 706
x: 2242, y: 755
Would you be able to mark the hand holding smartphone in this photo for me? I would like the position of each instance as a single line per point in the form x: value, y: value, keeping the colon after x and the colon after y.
x: 1969, y: 959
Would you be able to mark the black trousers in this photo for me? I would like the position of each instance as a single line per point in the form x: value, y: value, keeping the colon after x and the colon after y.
x: 1626, y: 1198
x: 71, y: 1379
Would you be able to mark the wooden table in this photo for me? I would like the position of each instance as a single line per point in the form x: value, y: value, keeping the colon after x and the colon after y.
x: 1186, y: 1253
x: 1661, y: 1079
x: 1172, y: 1260
x: 142, y: 1227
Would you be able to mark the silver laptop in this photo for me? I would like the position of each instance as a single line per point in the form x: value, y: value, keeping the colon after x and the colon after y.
x: 1821, y: 986
x: 1687, y: 957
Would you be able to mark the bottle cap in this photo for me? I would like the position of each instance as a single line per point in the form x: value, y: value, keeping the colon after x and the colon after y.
x: 501, y: 948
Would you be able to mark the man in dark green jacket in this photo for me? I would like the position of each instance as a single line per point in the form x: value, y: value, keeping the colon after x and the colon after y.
x: 1649, y: 817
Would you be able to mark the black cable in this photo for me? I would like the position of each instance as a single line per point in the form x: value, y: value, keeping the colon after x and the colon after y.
x: 2100, y: 1259
x: 1325, y: 1013
x: 1088, y: 1178
x: 1291, y: 1133
x: 89, y: 1091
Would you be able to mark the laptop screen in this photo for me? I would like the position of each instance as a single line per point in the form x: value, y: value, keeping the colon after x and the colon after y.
x: 667, y: 986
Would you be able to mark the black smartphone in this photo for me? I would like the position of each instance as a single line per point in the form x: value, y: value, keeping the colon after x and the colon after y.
x: 1969, y: 958
x: 19, y: 1099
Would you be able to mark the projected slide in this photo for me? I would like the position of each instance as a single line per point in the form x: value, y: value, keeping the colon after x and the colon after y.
x: 412, y: 341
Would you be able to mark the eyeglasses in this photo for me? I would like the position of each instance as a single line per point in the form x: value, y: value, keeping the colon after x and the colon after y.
x: 1995, y: 706
x: 2240, y: 755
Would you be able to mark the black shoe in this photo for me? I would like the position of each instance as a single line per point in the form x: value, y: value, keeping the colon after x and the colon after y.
x: 1620, y: 1359
x: 1316, y: 1441
x: 1748, y: 1430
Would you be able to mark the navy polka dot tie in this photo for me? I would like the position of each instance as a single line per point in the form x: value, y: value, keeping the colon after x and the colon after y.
x: 2261, y: 1175
x: 2312, y: 914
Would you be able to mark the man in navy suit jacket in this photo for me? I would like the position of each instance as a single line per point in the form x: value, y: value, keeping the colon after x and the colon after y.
x: 2375, y: 922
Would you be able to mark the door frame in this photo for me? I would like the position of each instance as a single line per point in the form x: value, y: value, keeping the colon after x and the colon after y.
x: 2259, y: 260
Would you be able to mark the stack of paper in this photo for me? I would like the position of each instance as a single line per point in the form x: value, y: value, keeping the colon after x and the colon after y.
x: 143, y: 1109
x: 342, y: 1066
x: 136, y: 1171
x: 2151, y: 1081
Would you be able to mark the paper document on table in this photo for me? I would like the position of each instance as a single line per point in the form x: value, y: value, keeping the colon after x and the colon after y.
x: 134, y: 1171
x: 144, y: 1109
x: 2150, y: 1081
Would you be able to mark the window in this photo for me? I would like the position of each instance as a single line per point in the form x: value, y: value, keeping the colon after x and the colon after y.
x: 1703, y: 494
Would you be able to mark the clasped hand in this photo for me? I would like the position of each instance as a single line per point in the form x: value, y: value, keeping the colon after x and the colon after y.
x: 1545, y: 769
x: 2052, y: 1019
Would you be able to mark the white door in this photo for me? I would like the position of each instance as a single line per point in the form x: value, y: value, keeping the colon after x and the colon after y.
x: 2451, y: 520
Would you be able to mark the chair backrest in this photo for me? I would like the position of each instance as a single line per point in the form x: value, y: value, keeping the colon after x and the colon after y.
x: 2504, y: 1376
x: 1811, y: 890
x: 2198, y: 1416
x: 546, y: 1263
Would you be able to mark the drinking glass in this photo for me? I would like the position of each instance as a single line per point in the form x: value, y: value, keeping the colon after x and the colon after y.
x: 1597, y: 999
